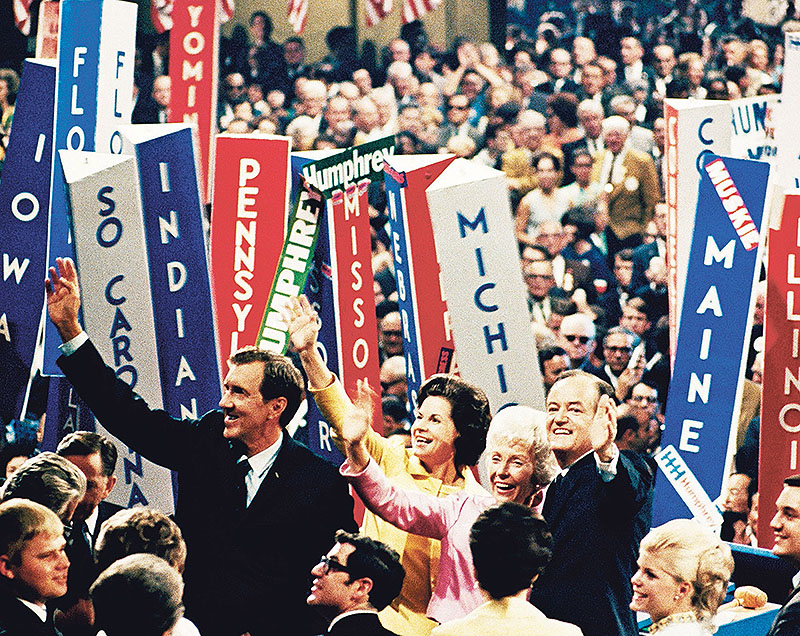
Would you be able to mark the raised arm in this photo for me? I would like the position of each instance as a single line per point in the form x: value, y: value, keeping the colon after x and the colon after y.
x: 64, y: 298
x: 409, y: 510
x: 303, y: 329
x: 328, y: 393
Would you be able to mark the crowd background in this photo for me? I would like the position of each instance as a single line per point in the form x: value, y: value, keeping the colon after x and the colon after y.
x: 591, y: 232
x: 570, y: 107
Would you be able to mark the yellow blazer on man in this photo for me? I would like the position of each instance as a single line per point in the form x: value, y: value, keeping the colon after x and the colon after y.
x: 632, y: 190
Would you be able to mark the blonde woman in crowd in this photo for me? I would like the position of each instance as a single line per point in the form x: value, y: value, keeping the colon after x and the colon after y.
x: 682, y: 578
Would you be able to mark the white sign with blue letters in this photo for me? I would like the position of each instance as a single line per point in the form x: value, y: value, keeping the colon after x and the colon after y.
x: 483, y: 285
x: 115, y: 292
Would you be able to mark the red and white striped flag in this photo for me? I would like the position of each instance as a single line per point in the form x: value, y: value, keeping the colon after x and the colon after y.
x: 298, y: 12
x: 22, y: 15
x: 415, y: 9
x: 377, y: 10
x: 225, y: 10
x: 161, y: 13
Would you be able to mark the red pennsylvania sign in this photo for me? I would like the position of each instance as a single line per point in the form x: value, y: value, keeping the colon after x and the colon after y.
x: 247, y: 230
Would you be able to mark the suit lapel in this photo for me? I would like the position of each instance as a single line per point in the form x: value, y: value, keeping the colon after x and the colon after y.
x: 560, y: 493
x: 280, y: 469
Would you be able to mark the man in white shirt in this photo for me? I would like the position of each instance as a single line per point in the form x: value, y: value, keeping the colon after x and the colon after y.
x: 33, y: 567
x: 353, y: 582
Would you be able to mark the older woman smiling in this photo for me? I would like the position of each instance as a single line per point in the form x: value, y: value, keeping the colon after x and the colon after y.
x: 519, y: 463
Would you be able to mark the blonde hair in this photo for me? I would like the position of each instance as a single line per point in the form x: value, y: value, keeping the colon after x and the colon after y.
x: 693, y: 554
x: 526, y: 426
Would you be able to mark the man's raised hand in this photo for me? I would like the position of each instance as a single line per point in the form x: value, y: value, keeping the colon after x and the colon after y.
x: 64, y: 298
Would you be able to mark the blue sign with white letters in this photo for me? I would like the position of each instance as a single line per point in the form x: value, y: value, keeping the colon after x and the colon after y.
x: 94, y: 85
x: 179, y: 278
x: 24, y: 201
x: 705, y: 386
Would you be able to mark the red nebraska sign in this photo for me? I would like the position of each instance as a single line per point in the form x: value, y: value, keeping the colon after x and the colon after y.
x: 780, y: 406
x: 248, y: 221
x: 193, y: 70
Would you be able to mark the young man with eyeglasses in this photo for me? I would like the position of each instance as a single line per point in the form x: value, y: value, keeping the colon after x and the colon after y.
x: 353, y: 582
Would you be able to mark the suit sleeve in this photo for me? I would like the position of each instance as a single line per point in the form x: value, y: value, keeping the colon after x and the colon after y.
x: 650, y: 191
x: 154, y: 433
x: 333, y: 403
x: 788, y: 621
x: 628, y: 492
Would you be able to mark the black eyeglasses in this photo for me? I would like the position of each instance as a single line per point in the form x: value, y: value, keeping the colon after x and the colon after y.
x: 456, y: 107
x: 581, y: 339
x: 329, y: 564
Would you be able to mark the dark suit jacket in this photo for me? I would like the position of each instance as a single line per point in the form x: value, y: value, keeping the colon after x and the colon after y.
x: 787, y: 622
x: 597, y: 527
x: 105, y: 510
x: 245, y: 571
x: 641, y: 261
x: 18, y: 620
x: 360, y: 625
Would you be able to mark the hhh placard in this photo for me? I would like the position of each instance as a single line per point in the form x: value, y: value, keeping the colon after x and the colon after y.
x: 483, y: 285
x: 251, y: 191
x: 705, y: 390
x: 194, y: 54
x: 94, y: 93
x: 117, y: 305
x: 167, y: 157
x: 427, y: 341
x: 24, y: 197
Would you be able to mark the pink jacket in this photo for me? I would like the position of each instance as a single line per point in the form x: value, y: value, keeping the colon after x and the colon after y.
x: 449, y: 519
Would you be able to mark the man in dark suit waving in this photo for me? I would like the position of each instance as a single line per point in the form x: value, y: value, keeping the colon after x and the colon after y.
x: 786, y: 526
x: 598, y: 509
x: 256, y: 508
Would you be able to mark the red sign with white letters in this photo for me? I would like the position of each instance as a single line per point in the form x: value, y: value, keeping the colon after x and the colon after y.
x: 354, y: 294
x: 193, y: 71
x: 247, y: 231
x: 780, y: 406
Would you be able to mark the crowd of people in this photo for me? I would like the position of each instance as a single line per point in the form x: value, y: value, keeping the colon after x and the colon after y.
x: 557, y: 540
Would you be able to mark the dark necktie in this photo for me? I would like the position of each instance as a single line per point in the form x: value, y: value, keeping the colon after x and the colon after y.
x: 552, y: 493
x: 242, y: 469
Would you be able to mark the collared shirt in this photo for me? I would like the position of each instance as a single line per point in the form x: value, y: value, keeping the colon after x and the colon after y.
x: 260, y: 463
x: 350, y: 613
x: 91, y: 522
x: 39, y: 610
x: 71, y: 346
x: 796, y: 579
x: 608, y: 470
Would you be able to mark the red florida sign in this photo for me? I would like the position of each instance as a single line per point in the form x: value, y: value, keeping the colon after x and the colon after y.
x: 780, y: 407
x: 193, y: 70
x: 354, y: 296
x: 249, y: 216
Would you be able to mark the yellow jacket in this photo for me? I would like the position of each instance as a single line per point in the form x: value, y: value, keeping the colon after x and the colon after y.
x: 419, y: 555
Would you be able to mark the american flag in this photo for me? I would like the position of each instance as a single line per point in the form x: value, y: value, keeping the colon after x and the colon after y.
x: 377, y: 10
x: 298, y: 12
x: 22, y: 15
x: 161, y: 13
x: 415, y: 9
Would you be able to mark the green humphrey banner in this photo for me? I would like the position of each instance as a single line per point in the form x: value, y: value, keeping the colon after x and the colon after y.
x: 320, y: 180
